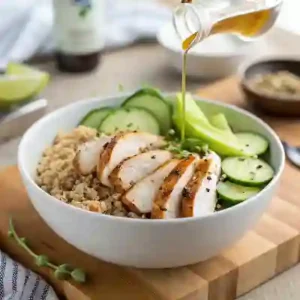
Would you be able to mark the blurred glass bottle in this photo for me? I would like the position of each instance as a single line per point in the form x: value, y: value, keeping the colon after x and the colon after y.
x: 79, y: 34
x: 194, y: 20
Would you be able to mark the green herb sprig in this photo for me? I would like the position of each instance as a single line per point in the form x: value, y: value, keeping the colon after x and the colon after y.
x: 186, y: 148
x: 177, y: 151
x: 62, y: 272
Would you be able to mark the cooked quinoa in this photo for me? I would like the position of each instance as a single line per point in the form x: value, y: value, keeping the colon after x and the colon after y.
x: 58, y: 177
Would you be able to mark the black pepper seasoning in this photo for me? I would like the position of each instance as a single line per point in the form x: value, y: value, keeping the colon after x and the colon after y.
x: 252, y: 175
x: 175, y: 172
x: 185, y: 192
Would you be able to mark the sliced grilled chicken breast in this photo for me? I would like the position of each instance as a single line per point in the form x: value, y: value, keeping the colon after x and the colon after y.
x: 87, y: 155
x: 131, y: 170
x: 121, y: 147
x: 216, y: 162
x: 199, y: 197
x: 140, y: 197
x: 167, y: 203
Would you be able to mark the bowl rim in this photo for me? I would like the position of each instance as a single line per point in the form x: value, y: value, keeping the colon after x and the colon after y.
x: 162, y: 32
x: 266, y: 59
x: 65, y: 109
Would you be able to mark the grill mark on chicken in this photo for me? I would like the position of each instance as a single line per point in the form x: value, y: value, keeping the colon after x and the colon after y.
x: 132, y: 143
x: 117, y: 176
x: 106, y: 155
x: 87, y: 155
x: 193, y: 186
x: 158, y: 208
x: 188, y: 199
x: 129, y: 198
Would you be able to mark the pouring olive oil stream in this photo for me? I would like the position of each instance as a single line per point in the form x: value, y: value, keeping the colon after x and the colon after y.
x: 197, y: 20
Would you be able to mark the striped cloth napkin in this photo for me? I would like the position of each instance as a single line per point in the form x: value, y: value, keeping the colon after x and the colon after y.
x: 19, y: 283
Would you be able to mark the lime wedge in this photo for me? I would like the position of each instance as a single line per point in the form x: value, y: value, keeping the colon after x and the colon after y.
x: 15, y: 89
x: 20, y: 83
x: 24, y: 71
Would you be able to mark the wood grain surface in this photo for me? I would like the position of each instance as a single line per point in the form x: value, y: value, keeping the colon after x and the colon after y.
x: 272, y: 247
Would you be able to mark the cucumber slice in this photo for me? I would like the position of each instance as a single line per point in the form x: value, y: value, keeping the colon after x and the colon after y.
x: 152, y: 101
x: 94, y: 118
x: 247, y: 170
x: 253, y: 143
x: 232, y: 193
x: 130, y: 119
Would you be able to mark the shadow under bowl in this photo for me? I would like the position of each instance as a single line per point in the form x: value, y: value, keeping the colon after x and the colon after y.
x: 277, y: 105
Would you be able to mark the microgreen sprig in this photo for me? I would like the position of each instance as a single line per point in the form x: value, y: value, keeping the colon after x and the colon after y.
x: 63, y: 271
x: 186, y: 148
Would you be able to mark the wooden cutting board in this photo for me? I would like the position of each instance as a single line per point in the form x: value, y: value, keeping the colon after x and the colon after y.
x: 270, y: 248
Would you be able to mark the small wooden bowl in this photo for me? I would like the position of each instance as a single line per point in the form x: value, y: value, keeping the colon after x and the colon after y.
x: 273, y: 104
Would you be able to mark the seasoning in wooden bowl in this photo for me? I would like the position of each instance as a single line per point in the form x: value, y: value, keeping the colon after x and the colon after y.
x: 281, y: 83
x: 273, y: 86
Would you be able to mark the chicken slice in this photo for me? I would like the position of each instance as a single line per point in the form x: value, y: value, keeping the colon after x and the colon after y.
x: 199, y: 197
x: 140, y: 197
x: 215, y: 167
x: 87, y: 155
x: 121, y: 147
x: 167, y: 203
x: 133, y: 169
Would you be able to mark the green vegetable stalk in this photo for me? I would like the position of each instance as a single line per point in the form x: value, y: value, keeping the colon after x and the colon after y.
x: 62, y: 272
x: 219, y: 138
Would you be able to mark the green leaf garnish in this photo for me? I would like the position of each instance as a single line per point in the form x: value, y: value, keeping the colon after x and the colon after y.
x: 78, y: 275
x: 24, y: 240
x: 63, y: 271
x: 42, y: 260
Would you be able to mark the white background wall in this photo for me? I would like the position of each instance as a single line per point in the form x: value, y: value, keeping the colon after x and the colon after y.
x: 290, y: 15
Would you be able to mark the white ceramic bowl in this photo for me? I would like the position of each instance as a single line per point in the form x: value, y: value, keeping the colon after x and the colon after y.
x: 136, y: 242
x: 217, y: 56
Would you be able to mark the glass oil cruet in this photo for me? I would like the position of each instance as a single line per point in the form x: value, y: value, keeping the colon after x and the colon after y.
x: 195, y: 20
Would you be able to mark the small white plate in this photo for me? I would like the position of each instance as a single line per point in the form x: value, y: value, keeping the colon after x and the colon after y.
x: 217, y: 56
x: 221, y: 55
